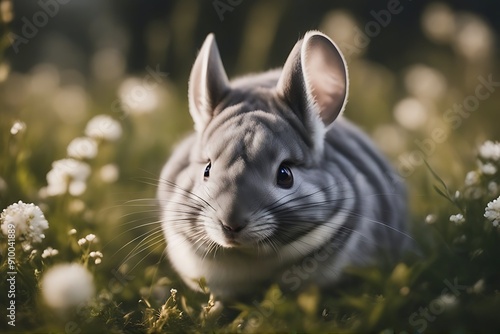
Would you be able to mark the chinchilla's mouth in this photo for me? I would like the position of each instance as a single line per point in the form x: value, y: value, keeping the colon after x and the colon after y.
x: 231, y: 243
x: 238, y: 244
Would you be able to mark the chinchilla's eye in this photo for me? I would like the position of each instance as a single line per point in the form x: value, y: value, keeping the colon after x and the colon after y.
x: 206, y: 173
x: 284, y: 177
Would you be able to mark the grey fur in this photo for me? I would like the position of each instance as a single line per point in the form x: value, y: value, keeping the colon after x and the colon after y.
x: 237, y: 228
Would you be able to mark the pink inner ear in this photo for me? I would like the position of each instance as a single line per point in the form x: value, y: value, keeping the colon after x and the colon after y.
x: 325, y: 74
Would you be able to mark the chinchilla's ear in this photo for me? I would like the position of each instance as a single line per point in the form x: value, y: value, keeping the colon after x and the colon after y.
x: 314, y: 80
x: 207, y: 83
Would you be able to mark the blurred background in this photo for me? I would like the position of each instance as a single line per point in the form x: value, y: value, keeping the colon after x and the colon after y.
x: 66, y: 61
x: 75, y: 58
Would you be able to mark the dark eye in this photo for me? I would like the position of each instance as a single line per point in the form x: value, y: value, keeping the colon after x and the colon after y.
x: 206, y: 173
x: 284, y: 177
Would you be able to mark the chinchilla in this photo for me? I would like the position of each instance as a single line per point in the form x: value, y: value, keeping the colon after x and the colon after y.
x: 275, y: 185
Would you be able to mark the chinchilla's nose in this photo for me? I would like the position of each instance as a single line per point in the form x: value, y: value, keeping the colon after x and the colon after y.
x: 231, y: 211
x: 233, y: 219
x: 232, y: 228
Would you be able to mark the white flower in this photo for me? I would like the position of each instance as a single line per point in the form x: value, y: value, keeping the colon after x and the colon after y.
x: 438, y: 22
x: 490, y: 150
x: 109, y: 173
x: 425, y: 82
x: 81, y: 241
x: 474, y: 38
x: 488, y: 169
x: 67, y: 285
x: 25, y: 220
x: 448, y: 299
x: 72, y: 231
x: 492, y: 211
x: 411, y: 113
x: 97, y: 256
x: 457, y: 219
x: 82, y: 148
x: 103, y: 127
x: 137, y: 97
x: 17, y: 127
x: 90, y: 237
x: 67, y: 175
x: 430, y: 219
x: 49, y: 252
x: 472, y: 178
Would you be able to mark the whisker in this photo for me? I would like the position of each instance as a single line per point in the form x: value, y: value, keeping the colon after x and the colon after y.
x: 159, y: 243
x: 131, y: 229
x: 380, y: 223
x: 145, y: 235
x: 149, y: 241
x: 187, y: 193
